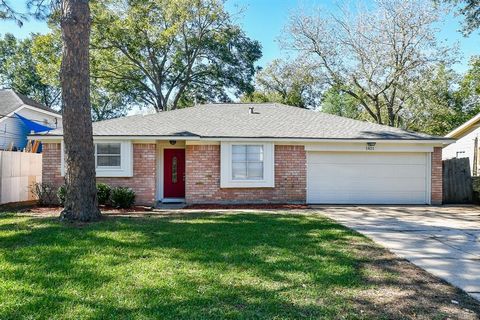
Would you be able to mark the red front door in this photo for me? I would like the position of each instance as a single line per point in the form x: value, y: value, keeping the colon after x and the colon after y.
x: 174, y: 173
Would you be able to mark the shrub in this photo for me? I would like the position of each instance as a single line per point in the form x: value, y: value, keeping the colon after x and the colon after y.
x: 104, y: 192
x: 61, y: 194
x: 122, y: 197
x: 45, y: 193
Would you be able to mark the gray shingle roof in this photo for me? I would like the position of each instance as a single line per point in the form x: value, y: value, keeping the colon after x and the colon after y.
x: 234, y: 121
x: 11, y: 100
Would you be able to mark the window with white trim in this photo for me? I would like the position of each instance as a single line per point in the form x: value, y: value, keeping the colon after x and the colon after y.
x: 113, y: 158
x: 247, y: 165
x: 247, y: 162
x: 108, y: 155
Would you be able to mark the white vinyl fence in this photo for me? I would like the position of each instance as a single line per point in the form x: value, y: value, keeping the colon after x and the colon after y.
x: 19, y: 171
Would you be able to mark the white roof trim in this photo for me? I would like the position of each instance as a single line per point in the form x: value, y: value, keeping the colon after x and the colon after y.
x: 26, y: 106
x: 463, y: 127
x: 7, y: 116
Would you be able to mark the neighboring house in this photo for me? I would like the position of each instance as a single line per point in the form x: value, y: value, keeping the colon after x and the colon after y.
x: 19, y: 116
x: 466, y: 144
x: 259, y: 153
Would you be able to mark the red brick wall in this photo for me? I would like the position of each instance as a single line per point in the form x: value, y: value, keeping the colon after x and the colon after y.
x: 202, y: 181
x: 144, y: 177
x: 437, y: 176
x: 51, y: 158
x: 143, y: 181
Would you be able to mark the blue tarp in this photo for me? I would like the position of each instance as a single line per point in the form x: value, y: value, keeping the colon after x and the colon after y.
x: 32, y: 125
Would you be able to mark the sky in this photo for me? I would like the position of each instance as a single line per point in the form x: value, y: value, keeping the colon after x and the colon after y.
x: 264, y: 20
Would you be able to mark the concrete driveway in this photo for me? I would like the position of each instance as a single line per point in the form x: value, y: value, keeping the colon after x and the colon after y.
x: 445, y: 241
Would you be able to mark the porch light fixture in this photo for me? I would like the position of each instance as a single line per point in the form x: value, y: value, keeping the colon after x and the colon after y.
x: 173, y: 142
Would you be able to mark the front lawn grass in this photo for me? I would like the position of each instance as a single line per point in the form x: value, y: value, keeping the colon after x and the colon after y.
x: 211, y: 266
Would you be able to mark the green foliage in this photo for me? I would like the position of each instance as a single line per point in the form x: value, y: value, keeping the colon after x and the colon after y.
x: 32, y: 67
x: 470, y: 87
x: 173, y: 53
x: 45, y: 193
x: 104, y: 192
x: 341, y: 104
x: 109, y: 98
x: 443, y: 100
x: 122, y: 197
x: 18, y: 71
x: 470, y: 10
x: 440, y: 100
x: 289, y: 82
x: 62, y: 194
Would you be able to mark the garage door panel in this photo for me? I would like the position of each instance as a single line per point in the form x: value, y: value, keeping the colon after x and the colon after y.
x: 374, y: 186
x: 383, y: 178
x: 357, y: 170
x: 388, y: 198
x: 366, y: 158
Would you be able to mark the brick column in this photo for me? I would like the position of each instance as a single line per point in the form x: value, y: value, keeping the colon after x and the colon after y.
x: 51, y: 159
x: 437, y: 176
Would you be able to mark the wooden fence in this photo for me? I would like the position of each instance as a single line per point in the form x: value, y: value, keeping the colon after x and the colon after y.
x: 457, y: 181
x: 19, y: 171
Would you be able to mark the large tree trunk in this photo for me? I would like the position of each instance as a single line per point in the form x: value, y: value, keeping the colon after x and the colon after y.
x: 81, y: 197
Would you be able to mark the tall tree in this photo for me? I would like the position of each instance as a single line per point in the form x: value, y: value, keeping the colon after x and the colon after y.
x: 75, y: 21
x: 375, y: 56
x: 437, y: 106
x: 109, y: 98
x: 469, y: 88
x: 18, y: 71
x: 470, y: 9
x: 81, y: 195
x: 174, y: 52
x: 288, y: 82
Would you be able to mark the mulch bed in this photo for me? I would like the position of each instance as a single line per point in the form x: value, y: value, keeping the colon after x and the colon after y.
x: 55, y: 210
x: 246, y: 206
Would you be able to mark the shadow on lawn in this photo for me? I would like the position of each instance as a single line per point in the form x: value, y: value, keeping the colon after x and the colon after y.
x: 203, y: 266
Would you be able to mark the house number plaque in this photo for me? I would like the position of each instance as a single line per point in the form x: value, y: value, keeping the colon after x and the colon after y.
x: 370, y: 146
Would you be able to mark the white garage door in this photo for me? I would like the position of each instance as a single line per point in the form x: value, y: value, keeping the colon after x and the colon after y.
x: 367, y: 178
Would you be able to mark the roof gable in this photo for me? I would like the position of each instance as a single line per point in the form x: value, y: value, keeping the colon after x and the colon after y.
x: 465, y: 128
x: 11, y: 101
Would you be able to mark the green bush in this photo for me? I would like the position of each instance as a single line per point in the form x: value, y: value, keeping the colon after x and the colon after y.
x: 104, y: 192
x: 122, y: 197
x: 61, y: 194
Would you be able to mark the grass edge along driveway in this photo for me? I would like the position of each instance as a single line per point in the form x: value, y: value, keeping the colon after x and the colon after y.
x: 282, y: 265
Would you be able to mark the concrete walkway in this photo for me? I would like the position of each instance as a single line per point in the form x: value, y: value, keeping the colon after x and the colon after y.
x: 445, y: 241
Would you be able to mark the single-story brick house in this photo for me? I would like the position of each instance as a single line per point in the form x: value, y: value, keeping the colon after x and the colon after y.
x: 259, y: 153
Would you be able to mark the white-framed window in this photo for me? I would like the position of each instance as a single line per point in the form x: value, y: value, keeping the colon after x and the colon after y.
x: 108, y: 155
x: 113, y: 158
x: 247, y: 162
x: 247, y: 165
